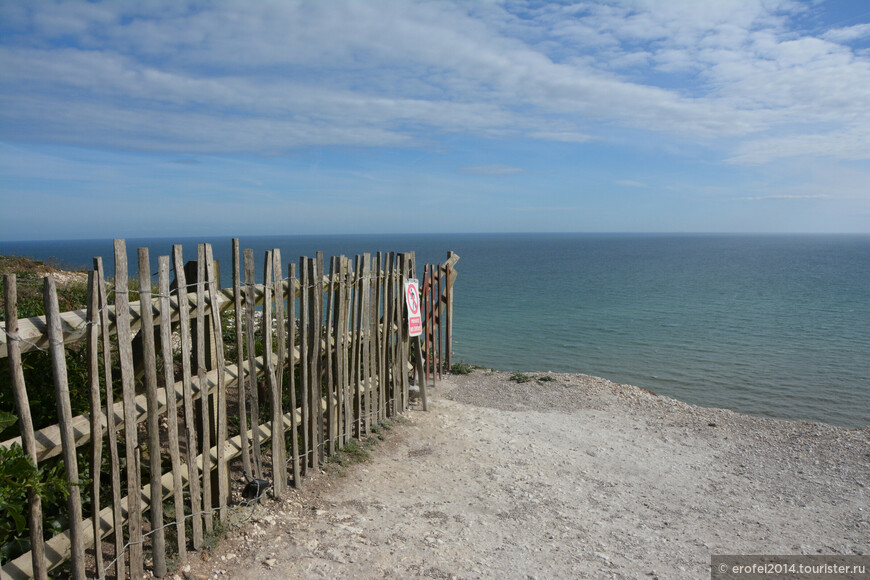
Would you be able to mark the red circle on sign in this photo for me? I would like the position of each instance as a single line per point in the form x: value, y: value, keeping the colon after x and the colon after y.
x: 413, y: 306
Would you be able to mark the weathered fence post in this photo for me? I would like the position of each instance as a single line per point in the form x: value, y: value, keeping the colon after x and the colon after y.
x: 187, y: 390
x: 171, y: 402
x: 304, y: 355
x: 331, y: 343
x: 204, y: 419
x: 240, y: 359
x: 316, y: 324
x: 291, y: 364
x: 221, y: 475
x: 452, y: 258
x: 93, y: 350
x: 252, y: 377
x: 22, y: 403
x: 279, y: 448
x: 158, y: 541
x: 111, y: 427
x: 134, y: 503
x: 64, y: 418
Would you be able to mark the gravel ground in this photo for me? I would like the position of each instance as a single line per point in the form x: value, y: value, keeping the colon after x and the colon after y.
x: 562, y: 476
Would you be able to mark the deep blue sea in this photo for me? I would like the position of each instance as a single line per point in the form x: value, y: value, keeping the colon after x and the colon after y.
x: 774, y: 325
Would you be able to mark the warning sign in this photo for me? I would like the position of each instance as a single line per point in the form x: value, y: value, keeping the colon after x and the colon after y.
x: 412, y: 299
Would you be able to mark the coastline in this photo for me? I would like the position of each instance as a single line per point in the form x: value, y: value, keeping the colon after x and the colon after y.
x: 573, y: 476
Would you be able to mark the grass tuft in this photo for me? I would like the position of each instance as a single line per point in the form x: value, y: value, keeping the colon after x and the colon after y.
x: 520, y: 378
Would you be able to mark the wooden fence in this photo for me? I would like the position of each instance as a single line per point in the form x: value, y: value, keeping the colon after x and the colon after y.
x: 336, y: 361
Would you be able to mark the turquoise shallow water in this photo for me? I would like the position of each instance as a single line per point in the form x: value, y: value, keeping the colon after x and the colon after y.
x: 769, y: 325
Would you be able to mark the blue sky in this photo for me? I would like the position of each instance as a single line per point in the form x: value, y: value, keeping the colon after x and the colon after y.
x: 121, y: 119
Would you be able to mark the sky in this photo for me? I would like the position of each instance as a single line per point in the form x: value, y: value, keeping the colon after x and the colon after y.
x: 174, y: 118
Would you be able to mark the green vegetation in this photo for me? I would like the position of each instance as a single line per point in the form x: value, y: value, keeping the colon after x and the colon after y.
x: 29, y: 274
x: 519, y: 377
x: 353, y: 452
x: 461, y: 368
x: 17, y: 471
x: 545, y: 379
x: 18, y: 474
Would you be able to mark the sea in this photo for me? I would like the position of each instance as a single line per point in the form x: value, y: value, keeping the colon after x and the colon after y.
x: 770, y: 325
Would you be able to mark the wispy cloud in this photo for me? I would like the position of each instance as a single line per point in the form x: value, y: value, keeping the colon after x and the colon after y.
x: 849, y: 33
x: 278, y: 76
x: 490, y: 170
x: 355, y: 103
x: 781, y: 197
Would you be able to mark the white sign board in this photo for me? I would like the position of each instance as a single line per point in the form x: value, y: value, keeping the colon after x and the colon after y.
x: 412, y: 299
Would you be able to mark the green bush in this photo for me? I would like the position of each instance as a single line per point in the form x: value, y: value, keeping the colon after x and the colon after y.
x: 461, y: 368
x: 18, y: 474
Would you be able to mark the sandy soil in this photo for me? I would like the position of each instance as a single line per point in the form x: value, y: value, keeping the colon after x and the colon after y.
x: 570, y: 477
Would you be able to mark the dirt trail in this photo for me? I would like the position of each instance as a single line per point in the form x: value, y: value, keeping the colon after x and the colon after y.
x: 571, y: 477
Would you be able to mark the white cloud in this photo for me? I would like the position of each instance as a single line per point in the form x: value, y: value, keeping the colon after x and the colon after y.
x: 274, y: 76
x: 848, y: 33
x: 851, y: 144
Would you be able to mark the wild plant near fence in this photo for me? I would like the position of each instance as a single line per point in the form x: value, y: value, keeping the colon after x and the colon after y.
x: 190, y: 379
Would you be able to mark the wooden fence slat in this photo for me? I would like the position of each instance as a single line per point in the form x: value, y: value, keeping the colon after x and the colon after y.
x: 430, y: 316
x: 433, y: 329
x: 158, y: 536
x: 279, y: 447
x: 346, y: 351
x: 419, y: 371
x: 304, y: 354
x: 220, y: 414
x: 424, y: 307
x: 403, y: 333
x: 271, y: 381
x: 329, y: 359
x: 397, y: 347
x: 93, y: 352
x: 393, y: 329
x: 440, y: 320
x: 356, y: 379
x: 365, y: 359
x: 22, y: 403
x: 111, y: 423
x: 252, y: 380
x: 64, y: 418
x: 386, y: 339
x: 382, y: 376
x: 204, y: 403
x: 373, y: 341
x: 187, y: 390
x: 316, y: 324
x: 449, y: 316
x: 240, y: 358
x: 338, y: 342
x: 171, y: 404
x: 127, y: 382
x: 374, y: 324
x: 291, y: 365
x: 266, y: 333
